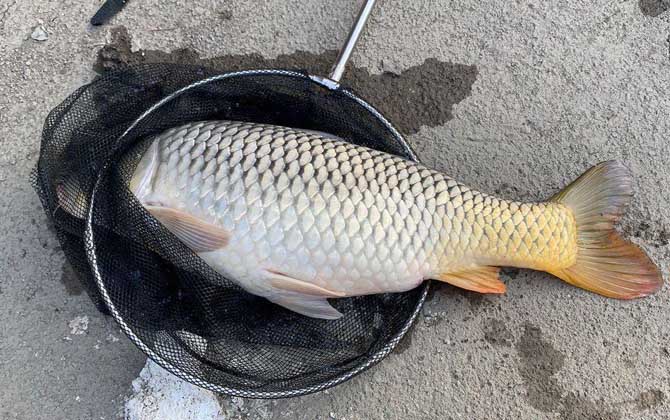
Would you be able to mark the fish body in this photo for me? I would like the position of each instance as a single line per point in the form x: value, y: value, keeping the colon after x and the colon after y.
x: 299, y: 216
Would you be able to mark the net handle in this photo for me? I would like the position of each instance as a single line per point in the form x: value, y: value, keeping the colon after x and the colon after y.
x: 345, y: 53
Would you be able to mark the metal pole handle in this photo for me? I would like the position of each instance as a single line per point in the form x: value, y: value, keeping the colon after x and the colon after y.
x: 345, y: 53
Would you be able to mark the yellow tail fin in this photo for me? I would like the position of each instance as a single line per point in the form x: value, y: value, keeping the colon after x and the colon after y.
x: 606, y: 264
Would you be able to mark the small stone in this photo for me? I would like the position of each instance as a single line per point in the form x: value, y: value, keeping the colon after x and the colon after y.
x: 332, y: 415
x: 79, y: 325
x: 238, y: 402
x: 226, y: 14
x: 39, y: 34
x: 650, y: 399
x: 111, y: 338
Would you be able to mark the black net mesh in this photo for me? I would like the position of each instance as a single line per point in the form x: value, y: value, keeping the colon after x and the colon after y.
x: 188, y: 318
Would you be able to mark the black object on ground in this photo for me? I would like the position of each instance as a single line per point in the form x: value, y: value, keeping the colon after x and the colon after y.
x: 108, y: 10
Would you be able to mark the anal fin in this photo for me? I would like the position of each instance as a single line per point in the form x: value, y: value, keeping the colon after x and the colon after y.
x: 195, y: 233
x: 478, y: 279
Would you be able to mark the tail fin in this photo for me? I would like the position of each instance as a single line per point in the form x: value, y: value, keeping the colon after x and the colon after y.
x: 71, y: 197
x: 606, y: 264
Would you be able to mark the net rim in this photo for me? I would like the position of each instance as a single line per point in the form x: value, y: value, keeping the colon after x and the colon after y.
x: 90, y: 249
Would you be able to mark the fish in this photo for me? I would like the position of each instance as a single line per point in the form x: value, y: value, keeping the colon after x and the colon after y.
x: 299, y: 217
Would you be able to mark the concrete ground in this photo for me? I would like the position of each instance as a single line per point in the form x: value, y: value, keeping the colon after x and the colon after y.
x: 511, y: 97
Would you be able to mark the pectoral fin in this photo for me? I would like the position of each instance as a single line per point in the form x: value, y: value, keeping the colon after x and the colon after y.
x: 478, y: 279
x: 195, y: 233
